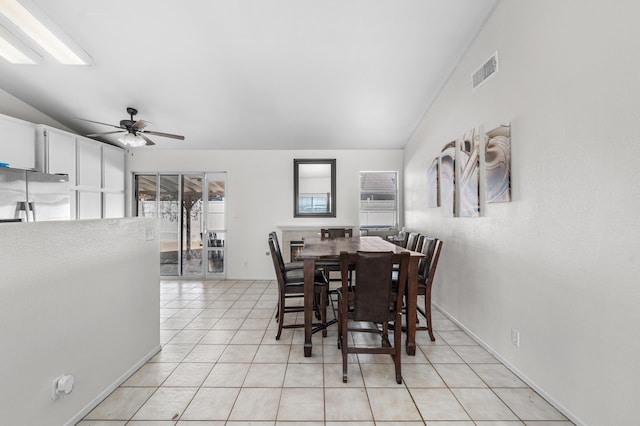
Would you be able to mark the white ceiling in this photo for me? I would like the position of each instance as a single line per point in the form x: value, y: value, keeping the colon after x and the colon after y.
x: 253, y: 74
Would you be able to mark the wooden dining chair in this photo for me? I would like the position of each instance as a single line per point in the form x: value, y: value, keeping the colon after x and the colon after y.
x: 426, y: 273
x: 329, y: 234
x: 412, y: 241
x: 291, y: 286
x: 329, y: 267
x: 373, y: 304
x: 403, y: 243
x: 419, y: 242
x: 288, y: 265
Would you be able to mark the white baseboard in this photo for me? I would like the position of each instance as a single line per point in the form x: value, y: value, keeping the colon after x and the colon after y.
x: 105, y: 393
x: 557, y: 405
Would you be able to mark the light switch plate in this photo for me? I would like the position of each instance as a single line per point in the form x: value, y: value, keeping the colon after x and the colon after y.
x: 515, y: 337
x: 149, y: 235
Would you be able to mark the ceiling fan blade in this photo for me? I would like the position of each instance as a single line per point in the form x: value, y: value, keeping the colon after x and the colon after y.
x: 166, y: 135
x: 98, y: 122
x: 140, y: 124
x: 149, y: 141
x: 105, y: 133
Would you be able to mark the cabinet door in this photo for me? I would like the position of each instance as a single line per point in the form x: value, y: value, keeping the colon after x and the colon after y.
x: 62, y: 153
x: 17, y: 143
x: 89, y: 205
x: 113, y: 166
x: 113, y: 205
x: 89, y: 163
x: 74, y: 204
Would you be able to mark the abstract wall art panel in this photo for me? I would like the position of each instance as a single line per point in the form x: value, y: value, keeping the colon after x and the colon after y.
x: 469, y: 162
x: 447, y: 179
x: 497, y: 157
x: 433, y: 185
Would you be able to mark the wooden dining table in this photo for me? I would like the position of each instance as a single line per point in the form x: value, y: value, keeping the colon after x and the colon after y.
x: 328, y: 250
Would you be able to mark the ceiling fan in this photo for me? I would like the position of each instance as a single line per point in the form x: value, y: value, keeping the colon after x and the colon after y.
x: 134, y: 131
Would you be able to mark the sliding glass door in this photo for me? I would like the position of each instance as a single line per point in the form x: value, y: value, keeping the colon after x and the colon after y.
x: 216, y: 225
x: 190, y: 246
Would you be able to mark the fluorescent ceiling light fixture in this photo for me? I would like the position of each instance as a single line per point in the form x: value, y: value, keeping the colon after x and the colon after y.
x: 15, y: 51
x: 132, y: 140
x: 19, y: 16
x: 9, y: 52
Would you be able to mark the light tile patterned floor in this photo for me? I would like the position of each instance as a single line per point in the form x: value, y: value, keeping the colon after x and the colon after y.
x: 220, y: 364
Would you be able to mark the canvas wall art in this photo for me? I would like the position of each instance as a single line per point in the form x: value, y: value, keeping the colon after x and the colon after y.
x: 433, y: 185
x: 497, y: 159
x: 469, y: 162
x: 447, y: 179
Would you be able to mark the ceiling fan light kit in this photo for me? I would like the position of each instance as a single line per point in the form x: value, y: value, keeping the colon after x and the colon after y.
x: 132, y: 140
x: 134, y: 131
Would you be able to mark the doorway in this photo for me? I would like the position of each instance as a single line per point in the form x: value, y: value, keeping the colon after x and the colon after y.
x: 192, y: 231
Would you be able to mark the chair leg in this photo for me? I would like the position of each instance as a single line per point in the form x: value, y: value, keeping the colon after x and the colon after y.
x: 344, y: 360
x: 344, y: 346
x: 339, y: 331
x: 280, y: 316
x: 427, y: 309
x: 397, y: 345
x: 323, y: 309
x: 385, y: 334
x: 316, y: 306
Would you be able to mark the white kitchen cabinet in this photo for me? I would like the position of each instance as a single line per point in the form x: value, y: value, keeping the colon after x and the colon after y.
x: 89, y: 205
x: 113, y: 205
x: 89, y: 163
x: 17, y: 143
x: 96, y: 170
x: 112, y: 181
x: 113, y: 168
x: 74, y: 204
x: 60, y: 149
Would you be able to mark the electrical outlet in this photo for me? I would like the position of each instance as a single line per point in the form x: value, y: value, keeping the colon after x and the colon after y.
x: 62, y: 386
x: 515, y: 337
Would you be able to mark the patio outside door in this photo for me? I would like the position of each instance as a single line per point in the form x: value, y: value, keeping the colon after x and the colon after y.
x: 191, y: 241
x: 215, y: 226
x: 190, y: 246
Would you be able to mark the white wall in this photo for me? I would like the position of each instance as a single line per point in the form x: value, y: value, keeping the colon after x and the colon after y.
x: 14, y: 107
x: 79, y: 298
x: 260, y: 193
x: 561, y: 262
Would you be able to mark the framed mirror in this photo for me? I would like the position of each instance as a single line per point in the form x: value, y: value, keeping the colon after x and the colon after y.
x: 314, y: 188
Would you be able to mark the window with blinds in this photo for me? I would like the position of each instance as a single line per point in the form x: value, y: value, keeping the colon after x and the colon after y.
x: 378, y: 199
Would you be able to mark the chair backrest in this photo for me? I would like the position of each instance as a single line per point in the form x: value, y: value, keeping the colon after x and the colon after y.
x: 374, y: 299
x: 428, y: 247
x: 277, y: 261
x: 412, y: 241
x: 434, y: 260
x: 273, y: 235
x: 419, y: 243
x: 330, y: 233
x: 403, y: 244
x: 427, y: 266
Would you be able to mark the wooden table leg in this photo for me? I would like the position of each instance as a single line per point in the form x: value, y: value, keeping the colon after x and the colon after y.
x: 412, y: 303
x: 309, y: 277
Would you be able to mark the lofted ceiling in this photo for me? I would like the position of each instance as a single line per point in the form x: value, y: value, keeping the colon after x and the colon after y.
x: 252, y: 74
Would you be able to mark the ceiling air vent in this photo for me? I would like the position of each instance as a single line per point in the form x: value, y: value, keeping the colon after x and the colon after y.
x: 486, y: 70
